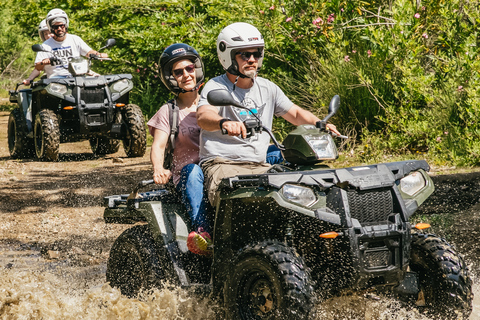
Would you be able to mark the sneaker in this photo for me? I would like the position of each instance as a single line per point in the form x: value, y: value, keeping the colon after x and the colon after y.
x: 200, y: 242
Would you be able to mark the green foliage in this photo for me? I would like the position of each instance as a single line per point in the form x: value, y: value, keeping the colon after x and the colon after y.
x: 407, y: 75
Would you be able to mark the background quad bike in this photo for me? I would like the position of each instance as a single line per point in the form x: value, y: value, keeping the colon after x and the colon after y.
x: 74, y: 109
x: 43, y: 140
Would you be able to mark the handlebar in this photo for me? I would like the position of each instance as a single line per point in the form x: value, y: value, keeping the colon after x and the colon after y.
x: 338, y: 136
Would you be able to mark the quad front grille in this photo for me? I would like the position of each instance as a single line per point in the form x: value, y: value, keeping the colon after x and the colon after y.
x: 91, y: 95
x: 375, y: 259
x: 371, y: 205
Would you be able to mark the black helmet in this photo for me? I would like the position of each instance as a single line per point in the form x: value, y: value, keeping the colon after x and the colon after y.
x: 174, y: 53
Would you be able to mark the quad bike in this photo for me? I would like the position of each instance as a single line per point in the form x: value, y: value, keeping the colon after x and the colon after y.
x: 298, y: 234
x: 76, y: 108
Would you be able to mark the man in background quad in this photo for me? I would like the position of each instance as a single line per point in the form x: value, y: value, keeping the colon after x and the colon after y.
x: 64, y: 46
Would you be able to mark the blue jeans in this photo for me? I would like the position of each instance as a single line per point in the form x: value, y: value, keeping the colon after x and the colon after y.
x: 274, y: 155
x: 190, y: 187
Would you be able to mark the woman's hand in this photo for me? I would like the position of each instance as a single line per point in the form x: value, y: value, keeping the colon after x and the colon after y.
x: 161, y: 176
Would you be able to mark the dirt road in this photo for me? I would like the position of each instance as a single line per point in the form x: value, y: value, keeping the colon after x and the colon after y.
x: 54, y: 208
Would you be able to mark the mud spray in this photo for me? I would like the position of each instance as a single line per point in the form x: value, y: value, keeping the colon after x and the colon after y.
x: 59, y: 292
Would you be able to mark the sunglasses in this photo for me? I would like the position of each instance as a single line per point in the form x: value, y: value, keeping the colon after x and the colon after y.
x: 179, y: 72
x: 55, y: 27
x: 246, y: 55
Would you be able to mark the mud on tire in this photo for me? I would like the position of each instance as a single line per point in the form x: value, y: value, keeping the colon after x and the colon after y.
x: 269, y: 281
x: 19, y: 145
x: 134, y: 264
x: 443, y: 275
x: 46, y: 135
x: 135, y: 143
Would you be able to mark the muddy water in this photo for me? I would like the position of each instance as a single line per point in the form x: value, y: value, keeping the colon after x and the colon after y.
x: 35, y: 289
x: 35, y: 286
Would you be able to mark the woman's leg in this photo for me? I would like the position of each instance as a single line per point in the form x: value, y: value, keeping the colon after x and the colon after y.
x: 274, y: 155
x: 191, y: 189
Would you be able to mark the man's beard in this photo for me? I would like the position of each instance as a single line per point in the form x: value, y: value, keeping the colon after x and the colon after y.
x: 250, y: 73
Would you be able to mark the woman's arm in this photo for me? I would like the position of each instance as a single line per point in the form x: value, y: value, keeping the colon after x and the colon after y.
x: 157, y: 155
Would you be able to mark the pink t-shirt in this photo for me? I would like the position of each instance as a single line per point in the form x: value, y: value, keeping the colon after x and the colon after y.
x: 187, y: 142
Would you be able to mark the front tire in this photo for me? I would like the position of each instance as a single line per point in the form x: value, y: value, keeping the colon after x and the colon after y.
x: 443, y: 274
x: 134, y: 264
x: 268, y: 281
x: 46, y: 135
x: 19, y: 145
x: 135, y: 143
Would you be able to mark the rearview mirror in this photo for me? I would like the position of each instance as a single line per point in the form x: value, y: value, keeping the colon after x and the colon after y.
x: 222, y: 98
x: 41, y: 48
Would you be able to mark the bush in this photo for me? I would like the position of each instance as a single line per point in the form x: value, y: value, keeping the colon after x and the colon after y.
x: 407, y: 75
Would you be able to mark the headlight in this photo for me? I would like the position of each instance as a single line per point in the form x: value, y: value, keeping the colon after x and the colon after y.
x: 301, y: 195
x: 57, y: 89
x: 121, y: 85
x: 412, y: 183
x: 323, y: 146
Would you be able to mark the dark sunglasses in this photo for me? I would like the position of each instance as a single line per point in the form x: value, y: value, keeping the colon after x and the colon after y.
x: 179, y: 72
x: 246, y: 55
x: 55, y: 27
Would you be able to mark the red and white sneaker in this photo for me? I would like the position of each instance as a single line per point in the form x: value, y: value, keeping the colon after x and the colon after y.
x: 200, y: 242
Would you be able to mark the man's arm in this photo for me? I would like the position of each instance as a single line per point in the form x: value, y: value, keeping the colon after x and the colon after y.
x: 298, y: 116
x: 95, y: 52
x: 208, y: 119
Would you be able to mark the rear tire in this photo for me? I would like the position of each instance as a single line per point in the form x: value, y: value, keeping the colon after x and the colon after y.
x: 269, y: 281
x: 46, y: 135
x: 101, y: 145
x: 443, y: 275
x: 19, y: 145
x: 135, y: 143
x: 134, y: 264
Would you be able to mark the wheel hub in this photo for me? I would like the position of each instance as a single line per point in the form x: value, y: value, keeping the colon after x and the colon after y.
x: 262, y: 298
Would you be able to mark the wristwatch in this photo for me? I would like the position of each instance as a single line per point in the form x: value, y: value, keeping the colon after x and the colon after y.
x: 222, y: 121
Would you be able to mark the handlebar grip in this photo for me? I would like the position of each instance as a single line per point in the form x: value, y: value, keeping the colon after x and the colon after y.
x: 146, y: 182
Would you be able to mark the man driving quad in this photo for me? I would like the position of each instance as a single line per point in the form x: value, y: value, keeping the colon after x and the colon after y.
x: 240, y: 49
x: 64, y: 46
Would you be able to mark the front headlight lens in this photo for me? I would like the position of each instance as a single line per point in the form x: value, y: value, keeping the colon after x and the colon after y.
x: 120, y: 85
x: 323, y: 146
x: 412, y: 183
x: 57, y: 89
x: 298, y: 194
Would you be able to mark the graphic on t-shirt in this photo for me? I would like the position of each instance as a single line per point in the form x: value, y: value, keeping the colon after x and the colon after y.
x: 64, y: 54
x: 254, y: 110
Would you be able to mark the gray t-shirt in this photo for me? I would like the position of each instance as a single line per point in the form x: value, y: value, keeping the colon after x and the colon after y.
x: 264, y: 98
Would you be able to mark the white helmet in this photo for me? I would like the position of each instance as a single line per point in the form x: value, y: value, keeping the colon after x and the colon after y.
x: 42, y: 27
x: 234, y: 38
x: 55, y: 14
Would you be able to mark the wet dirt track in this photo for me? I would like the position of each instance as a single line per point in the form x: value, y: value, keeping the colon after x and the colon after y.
x: 54, y: 244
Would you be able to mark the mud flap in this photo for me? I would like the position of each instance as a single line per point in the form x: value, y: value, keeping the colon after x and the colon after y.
x: 173, y: 231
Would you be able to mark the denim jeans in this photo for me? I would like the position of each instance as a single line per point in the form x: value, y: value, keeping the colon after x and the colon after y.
x: 190, y: 187
x: 274, y: 155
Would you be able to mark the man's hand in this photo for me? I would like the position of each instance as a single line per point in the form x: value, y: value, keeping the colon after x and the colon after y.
x: 235, y: 128
x: 333, y: 128
x: 45, y: 61
x: 162, y: 176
